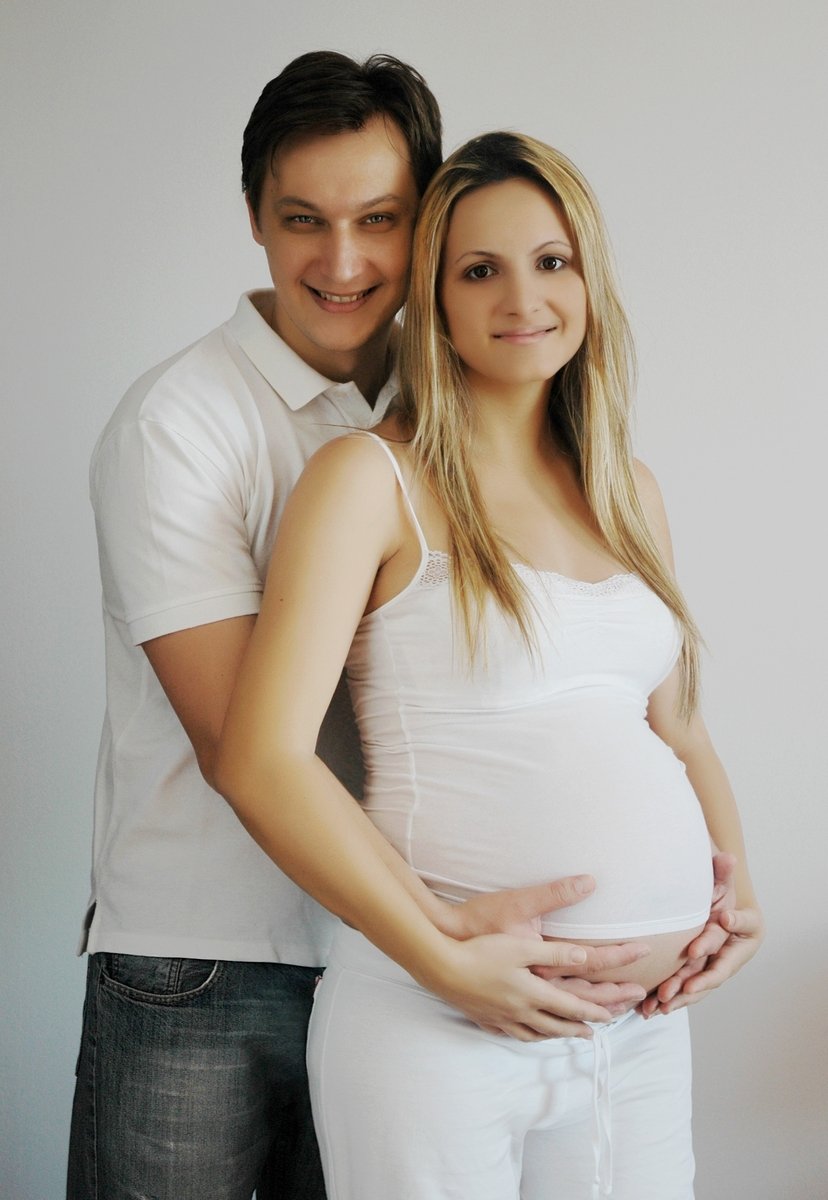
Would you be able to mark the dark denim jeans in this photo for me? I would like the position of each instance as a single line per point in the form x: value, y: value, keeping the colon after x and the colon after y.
x: 192, y: 1083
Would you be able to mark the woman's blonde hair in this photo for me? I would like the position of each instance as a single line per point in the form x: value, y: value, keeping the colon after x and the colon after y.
x: 589, y: 398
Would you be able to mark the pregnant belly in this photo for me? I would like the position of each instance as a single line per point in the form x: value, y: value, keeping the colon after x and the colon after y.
x: 667, y: 952
x: 545, y: 794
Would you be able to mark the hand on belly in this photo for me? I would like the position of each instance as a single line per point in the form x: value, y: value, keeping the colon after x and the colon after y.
x: 667, y: 954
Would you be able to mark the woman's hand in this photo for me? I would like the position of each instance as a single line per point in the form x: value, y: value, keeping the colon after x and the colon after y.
x: 729, y: 940
x: 742, y: 931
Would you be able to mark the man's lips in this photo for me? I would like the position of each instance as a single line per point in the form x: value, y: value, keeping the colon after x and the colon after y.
x: 340, y: 301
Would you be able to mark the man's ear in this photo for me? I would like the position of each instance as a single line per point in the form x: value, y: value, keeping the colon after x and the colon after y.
x: 254, y: 221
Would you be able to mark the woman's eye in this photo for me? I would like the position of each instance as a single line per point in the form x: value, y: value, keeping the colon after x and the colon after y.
x: 479, y: 271
x: 551, y: 262
x: 377, y: 219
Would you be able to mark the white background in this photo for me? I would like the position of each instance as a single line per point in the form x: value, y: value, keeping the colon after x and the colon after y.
x: 703, y: 129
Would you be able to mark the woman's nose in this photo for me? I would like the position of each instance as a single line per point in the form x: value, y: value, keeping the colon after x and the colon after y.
x: 522, y: 294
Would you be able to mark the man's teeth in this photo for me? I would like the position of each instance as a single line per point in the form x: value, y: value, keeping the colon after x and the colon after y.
x: 343, y: 299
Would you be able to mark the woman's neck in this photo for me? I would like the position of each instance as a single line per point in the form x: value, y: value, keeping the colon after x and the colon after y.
x: 511, y: 424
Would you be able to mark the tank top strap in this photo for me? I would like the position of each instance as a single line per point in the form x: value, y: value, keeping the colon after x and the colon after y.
x: 424, y: 551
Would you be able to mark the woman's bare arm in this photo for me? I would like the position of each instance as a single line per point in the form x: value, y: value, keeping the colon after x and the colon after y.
x: 736, y: 928
x: 344, y: 520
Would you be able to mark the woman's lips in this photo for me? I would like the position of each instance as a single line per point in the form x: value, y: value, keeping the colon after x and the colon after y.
x: 524, y: 337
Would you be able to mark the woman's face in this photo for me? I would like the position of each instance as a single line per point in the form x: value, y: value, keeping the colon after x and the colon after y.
x: 511, y: 287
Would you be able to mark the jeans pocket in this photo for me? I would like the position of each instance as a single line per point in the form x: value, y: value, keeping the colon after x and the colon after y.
x: 159, y: 980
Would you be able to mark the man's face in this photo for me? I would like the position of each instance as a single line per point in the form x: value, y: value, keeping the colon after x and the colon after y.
x: 335, y: 218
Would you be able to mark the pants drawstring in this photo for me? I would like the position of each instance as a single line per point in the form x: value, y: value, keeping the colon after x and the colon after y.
x: 602, y: 1114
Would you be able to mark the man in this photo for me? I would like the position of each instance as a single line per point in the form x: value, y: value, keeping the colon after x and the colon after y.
x: 202, y: 955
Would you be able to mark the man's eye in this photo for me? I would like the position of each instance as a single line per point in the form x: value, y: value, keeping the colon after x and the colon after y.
x: 479, y: 271
x: 301, y: 219
x: 551, y: 262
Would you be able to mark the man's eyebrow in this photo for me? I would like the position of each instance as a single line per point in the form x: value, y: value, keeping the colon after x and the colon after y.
x: 375, y: 202
x: 494, y: 255
x: 388, y: 198
x: 296, y: 202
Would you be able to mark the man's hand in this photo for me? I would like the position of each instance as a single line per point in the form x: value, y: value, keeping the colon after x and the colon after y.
x: 566, y: 993
x: 493, y: 980
x: 517, y: 911
x: 616, y: 998
x: 730, y: 938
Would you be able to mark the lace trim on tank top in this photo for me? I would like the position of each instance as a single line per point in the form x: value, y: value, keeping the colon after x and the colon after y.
x: 436, y: 571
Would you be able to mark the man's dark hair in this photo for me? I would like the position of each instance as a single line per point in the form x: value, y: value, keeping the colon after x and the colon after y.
x: 325, y: 92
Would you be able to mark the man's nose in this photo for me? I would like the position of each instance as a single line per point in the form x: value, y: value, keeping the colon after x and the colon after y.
x: 342, y: 256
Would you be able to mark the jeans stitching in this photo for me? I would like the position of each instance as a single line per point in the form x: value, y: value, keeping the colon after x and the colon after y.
x: 94, y: 1089
x: 167, y: 999
x: 175, y: 976
x: 109, y: 1145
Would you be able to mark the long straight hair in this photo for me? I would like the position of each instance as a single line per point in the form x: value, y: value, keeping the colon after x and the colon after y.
x: 589, y: 399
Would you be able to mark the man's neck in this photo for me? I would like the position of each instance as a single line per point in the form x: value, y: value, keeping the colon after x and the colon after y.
x: 373, y: 368
x: 367, y: 366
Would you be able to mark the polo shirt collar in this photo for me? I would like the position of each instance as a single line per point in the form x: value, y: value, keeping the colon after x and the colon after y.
x: 287, y: 373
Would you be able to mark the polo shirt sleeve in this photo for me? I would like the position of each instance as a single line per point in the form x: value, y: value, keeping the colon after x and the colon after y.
x: 173, y: 543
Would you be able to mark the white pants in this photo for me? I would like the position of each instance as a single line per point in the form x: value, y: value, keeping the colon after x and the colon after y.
x: 413, y: 1102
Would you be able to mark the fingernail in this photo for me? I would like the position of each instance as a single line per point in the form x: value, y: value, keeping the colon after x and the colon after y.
x: 582, y: 884
x: 577, y: 956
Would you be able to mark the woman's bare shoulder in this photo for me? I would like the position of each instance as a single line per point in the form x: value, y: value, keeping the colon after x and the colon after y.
x: 354, y: 455
x: 652, y: 502
x: 646, y: 483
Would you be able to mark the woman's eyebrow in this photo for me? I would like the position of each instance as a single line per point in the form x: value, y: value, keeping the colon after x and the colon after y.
x: 493, y: 254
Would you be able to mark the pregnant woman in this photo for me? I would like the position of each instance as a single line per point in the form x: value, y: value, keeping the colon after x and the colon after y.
x: 497, y: 572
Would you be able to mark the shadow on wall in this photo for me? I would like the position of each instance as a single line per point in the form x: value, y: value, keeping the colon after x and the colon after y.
x: 761, y: 1094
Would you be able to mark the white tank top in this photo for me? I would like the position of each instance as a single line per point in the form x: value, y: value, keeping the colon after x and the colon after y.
x: 519, y: 771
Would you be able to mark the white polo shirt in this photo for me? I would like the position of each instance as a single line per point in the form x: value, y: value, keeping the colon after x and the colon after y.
x: 188, y: 482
